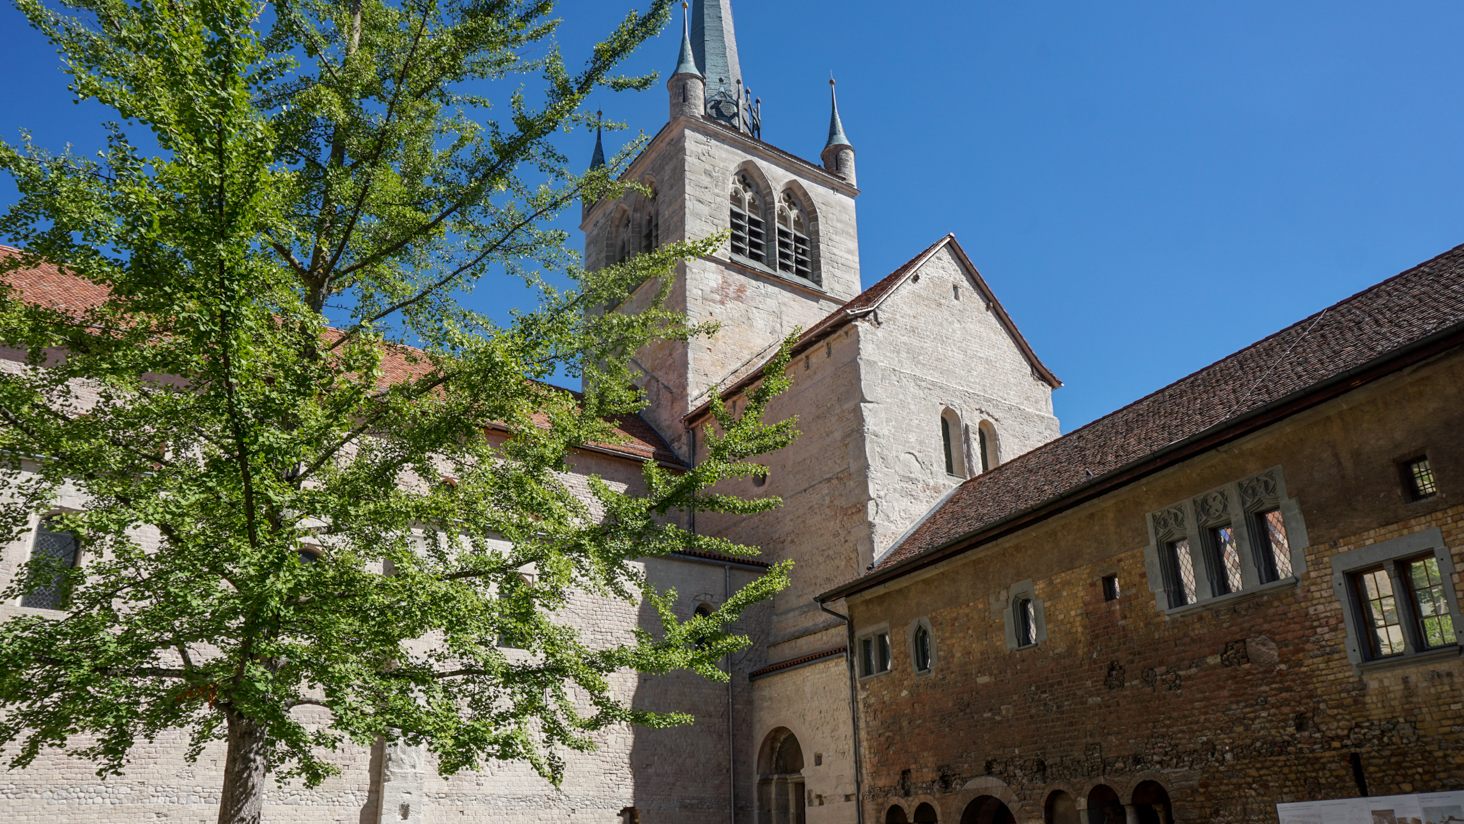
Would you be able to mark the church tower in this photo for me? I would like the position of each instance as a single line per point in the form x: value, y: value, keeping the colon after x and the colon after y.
x: 793, y: 254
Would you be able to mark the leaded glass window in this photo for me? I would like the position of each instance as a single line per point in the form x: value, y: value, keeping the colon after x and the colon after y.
x: 1272, y: 548
x: 1380, y: 612
x: 1435, y: 624
x: 794, y: 248
x: 1225, y: 560
x: 1181, y: 571
x: 55, y: 550
x: 749, y: 233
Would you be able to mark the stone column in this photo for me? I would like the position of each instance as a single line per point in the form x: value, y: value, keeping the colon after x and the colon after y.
x: 402, y: 785
x: 1131, y: 813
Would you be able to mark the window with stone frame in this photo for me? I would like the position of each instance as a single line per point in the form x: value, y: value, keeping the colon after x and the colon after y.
x: 651, y: 225
x: 54, y: 550
x: 1398, y: 599
x: 795, y: 249
x: 922, y: 646
x: 1225, y: 542
x: 1025, y: 617
x: 873, y: 649
x: 749, y: 232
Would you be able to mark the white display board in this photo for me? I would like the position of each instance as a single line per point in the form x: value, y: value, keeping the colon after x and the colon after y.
x: 1422, y: 808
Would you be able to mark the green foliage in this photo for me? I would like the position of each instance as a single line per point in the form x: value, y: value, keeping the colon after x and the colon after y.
x: 317, y: 156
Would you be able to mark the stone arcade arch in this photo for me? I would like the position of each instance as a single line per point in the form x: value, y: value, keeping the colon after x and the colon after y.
x: 780, y: 779
x: 896, y: 815
x: 1151, y: 803
x: 987, y: 809
x: 1104, y: 806
x: 925, y: 814
x: 1061, y: 809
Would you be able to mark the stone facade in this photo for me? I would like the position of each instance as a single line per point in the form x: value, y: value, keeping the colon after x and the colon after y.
x: 1211, y: 712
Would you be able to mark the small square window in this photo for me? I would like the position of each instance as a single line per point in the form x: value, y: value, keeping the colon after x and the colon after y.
x: 1110, y: 588
x: 1418, y: 479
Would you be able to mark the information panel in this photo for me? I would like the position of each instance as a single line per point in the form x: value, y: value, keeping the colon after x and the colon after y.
x: 1421, y: 808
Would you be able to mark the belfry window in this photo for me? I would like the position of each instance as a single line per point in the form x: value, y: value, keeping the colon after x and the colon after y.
x: 794, y: 247
x: 749, y: 233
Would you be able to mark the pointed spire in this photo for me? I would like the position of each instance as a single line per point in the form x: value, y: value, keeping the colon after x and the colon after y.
x: 836, y: 126
x: 714, y: 43
x: 597, y: 160
x: 686, y: 64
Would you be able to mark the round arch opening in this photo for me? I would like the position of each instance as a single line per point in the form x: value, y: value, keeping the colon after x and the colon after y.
x: 1151, y: 802
x: 896, y: 815
x: 1061, y: 808
x: 1104, y: 806
x: 987, y: 809
x: 780, y: 779
x: 925, y: 814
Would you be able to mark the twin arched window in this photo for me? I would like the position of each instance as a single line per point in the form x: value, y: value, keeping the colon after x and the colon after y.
x: 953, y: 444
x: 792, y: 253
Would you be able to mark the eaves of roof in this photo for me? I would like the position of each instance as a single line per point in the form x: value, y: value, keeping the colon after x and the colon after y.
x: 1229, y: 430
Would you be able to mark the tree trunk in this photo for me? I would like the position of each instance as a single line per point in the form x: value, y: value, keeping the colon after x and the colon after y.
x: 245, y: 767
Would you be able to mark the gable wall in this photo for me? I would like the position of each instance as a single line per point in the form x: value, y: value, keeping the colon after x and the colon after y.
x: 926, y: 351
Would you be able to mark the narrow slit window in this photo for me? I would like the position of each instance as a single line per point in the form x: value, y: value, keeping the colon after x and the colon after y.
x: 1110, y: 588
x: 1435, y: 624
x: 57, y: 549
x: 1225, y: 560
x: 1380, y: 612
x: 922, y: 649
x: 1181, y: 569
x: 1273, y: 549
x: 945, y: 437
x: 1025, y: 613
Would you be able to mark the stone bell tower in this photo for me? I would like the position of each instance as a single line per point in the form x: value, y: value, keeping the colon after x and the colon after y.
x: 793, y: 254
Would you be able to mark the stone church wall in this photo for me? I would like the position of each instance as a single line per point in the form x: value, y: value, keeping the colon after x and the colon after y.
x: 938, y: 345
x: 1233, y: 706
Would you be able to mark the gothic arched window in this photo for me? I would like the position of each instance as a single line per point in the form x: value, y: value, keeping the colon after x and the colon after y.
x: 1024, y: 611
x: 749, y: 233
x: 920, y: 647
x: 651, y: 228
x: 794, y: 248
x: 623, y: 251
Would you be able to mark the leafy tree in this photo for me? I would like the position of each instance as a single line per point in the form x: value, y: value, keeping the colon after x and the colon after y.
x: 314, y: 156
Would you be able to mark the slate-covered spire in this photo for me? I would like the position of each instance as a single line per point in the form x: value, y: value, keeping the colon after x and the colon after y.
x: 836, y: 126
x: 686, y: 63
x: 838, y: 153
x: 714, y: 43
x: 597, y: 160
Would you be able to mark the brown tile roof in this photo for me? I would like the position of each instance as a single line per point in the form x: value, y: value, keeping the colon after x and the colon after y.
x: 866, y: 302
x: 1422, y: 306
x: 47, y: 285
x: 722, y: 559
x: 793, y: 662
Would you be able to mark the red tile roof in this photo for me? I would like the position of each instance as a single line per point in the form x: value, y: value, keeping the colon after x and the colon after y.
x: 868, y: 301
x: 45, y: 284
x: 1423, y: 306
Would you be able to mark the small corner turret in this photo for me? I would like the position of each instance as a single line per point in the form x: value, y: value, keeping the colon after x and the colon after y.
x: 687, y: 86
x: 838, y: 153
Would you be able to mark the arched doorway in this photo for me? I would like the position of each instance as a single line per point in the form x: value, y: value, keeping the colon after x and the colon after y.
x: 1061, y: 809
x: 780, y: 779
x: 1104, y: 806
x: 1151, y: 801
x: 987, y: 809
x: 925, y: 814
x: 896, y: 815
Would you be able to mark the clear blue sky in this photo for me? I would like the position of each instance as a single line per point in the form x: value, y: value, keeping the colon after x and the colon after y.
x: 1148, y: 186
